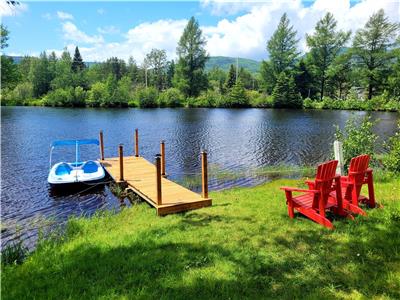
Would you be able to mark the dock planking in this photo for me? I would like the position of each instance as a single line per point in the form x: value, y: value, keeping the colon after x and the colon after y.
x: 144, y: 178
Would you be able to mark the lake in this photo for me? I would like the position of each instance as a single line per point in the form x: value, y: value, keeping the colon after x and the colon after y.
x: 239, y: 142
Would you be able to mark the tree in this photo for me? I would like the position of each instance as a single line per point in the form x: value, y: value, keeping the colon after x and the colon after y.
x: 170, y: 73
x: 133, y: 70
x: 4, y: 36
x: 304, y: 79
x: 285, y: 94
x: 116, y: 67
x: 231, y: 79
x: 189, y: 77
x: 371, y: 49
x: 282, y: 49
x: 325, y: 44
x: 63, y: 76
x: 217, y: 78
x: 237, y: 96
x: 77, y: 63
x: 40, y: 75
x: 340, y: 75
x: 156, y: 60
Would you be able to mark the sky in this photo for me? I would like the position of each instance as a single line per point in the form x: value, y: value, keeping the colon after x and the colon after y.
x: 103, y: 29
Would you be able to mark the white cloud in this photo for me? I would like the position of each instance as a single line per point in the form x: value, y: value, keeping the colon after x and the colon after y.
x: 72, y: 33
x: 243, y: 36
x: 64, y: 15
x: 101, y: 11
x: 108, y: 30
x: 8, y: 10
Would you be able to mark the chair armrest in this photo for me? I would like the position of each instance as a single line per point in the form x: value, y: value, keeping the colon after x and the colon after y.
x: 291, y: 189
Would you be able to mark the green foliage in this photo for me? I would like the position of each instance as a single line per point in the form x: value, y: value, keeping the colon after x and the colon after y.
x: 372, y: 49
x: 391, y: 160
x: 75, y: 97
x: 231, y: 78
x: 147, y: 97
x: 98, y: 95
x: 9, y: 73
x: 285, y: 94
x: 190, y: 78
x: 4, y: 36
x: 13, y: 254
x: 357, y: 139
x: 325, y: 45
x: 20, y: 94
x: 156, y: 61
x: 260, y: 100
x: 236, y: 97
x: 77, y: 62
x: 283, y: 53
x: 170, y: 98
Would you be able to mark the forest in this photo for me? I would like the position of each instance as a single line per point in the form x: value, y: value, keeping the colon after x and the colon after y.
x: 340, y: 70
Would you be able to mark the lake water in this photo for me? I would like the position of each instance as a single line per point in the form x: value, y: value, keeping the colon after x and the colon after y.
x: 239, y: 141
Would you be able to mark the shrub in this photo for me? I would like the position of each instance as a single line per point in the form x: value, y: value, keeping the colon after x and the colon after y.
x: 98, y: 95
x: 147, y: 97
x: 356, y: 140
x: 391, y: 160
x: 79, y: 96
x: 59, y: 97
x: 22, y: 93
x: 236, y: 97
x: 285, y: 94
x: 260, y: 100
x: 122, y: 94
x: 309, y: 103
x: 209, y: 98
x: 170, y: 98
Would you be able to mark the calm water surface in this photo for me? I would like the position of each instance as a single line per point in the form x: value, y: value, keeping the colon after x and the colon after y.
x: 237, y: 141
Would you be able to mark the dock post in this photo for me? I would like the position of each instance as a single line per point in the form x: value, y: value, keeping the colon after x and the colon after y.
x: 204, y: 174
x: 101, y: 145
x: 121, y: 162
x: 162, y: 149
x: 158, y: 179
x: 338, y: 151
x: 136, y: 142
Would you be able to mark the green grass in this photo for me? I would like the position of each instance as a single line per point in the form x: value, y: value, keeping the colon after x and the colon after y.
x: 244, y: 246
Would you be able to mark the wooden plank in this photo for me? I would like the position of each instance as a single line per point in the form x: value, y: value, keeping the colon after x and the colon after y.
x: 140, y: 175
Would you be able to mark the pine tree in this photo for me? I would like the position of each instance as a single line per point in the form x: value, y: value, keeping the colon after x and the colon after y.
x: 77, y: 63
x: 189, y: 77
x: 325, y: 44
x: 282, y: 49
x: 372, y: 50
x: 304, y: 79
x: 237, y: 96
x: 285, y: 94
x: 231, y: 79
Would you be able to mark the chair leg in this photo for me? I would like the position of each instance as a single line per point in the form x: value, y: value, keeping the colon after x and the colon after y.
x: 371, y: 192
x: 289, y: 204
x: 353, y: 208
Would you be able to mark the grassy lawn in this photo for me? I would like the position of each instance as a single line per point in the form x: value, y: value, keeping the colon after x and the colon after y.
x: 244, y: 246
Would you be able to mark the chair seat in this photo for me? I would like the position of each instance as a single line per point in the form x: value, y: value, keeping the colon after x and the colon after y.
x: 306, y: 200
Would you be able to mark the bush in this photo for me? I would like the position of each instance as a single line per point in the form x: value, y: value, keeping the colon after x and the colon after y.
x: 122, y: 94
x: 209, y: 98
x: 309, y: 103
x: 59, y: 97
x: 356, y: 140
x: 236, y: 97
x: 391, y: 161
x: 257, y: 99
x: 98, y: 95
x: 78, y: 96
x: 170, y: 98
x: 147, y: 97
x: 285, y: 93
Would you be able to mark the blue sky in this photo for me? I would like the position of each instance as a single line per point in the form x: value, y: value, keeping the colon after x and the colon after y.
x: 127, y: 28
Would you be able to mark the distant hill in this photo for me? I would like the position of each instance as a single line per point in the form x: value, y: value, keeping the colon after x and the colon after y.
x: 224, y: 63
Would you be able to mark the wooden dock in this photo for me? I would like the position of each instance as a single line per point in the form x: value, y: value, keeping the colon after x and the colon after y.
x: 148, y: 180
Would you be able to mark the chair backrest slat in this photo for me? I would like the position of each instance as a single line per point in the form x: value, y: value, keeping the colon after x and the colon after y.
x: 326, y: 173
x: 357, y: 170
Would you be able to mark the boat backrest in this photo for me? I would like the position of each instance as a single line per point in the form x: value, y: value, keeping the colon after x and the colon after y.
x: 63, y: 169
x: 90, y: 167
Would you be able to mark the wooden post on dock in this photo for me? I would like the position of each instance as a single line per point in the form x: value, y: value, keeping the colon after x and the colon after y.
x: 136, y: 142
x: 204, y: 174
x: 101, y: 145
x: 121, y: 162
x: 158, y: 179
x: 162, y: 149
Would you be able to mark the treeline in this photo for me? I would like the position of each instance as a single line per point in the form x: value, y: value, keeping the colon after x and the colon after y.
x: 331, y: 75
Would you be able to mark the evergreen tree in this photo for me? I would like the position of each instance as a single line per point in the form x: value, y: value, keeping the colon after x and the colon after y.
x: 372, y: 47
x: 156, y: 60
x: 133, y: 70
x: 40, y: 75
x: 4, y: 36
x: 170, y: 73
x: 77, y: 63
x: 189, y: 77
x: 340, y: 75
x: 325, y: 45
x: 304, y: 79
x: 116, y: 67
x: 231, y: 79
x: 237, y: 96
x: 282, y: 49
x: 285, y: 94
x: 63, y: 75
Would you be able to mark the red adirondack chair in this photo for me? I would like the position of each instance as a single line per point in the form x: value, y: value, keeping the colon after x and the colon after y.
x: 314, y: 201
x: 358, y: 175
